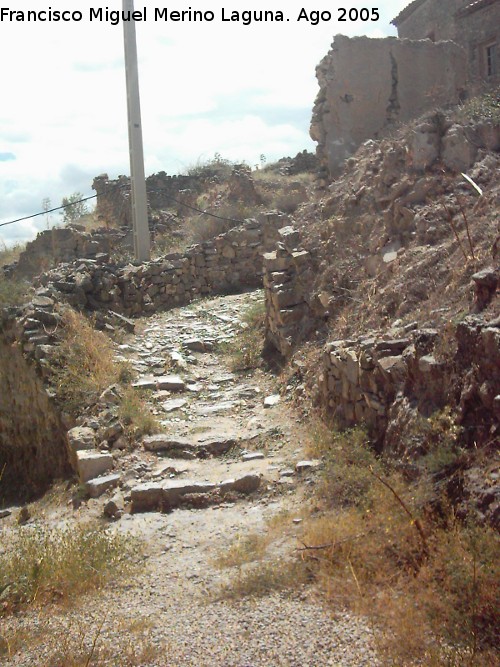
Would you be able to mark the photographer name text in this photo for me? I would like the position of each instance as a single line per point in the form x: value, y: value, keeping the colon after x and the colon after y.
x: 223, y: 15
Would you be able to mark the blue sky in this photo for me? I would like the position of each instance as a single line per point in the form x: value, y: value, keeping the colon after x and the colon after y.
x: 206, y: 88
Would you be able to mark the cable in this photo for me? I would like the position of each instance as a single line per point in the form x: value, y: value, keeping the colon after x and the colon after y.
x: 58, y: 208
x: 124, y: 185
x: 198, y: 210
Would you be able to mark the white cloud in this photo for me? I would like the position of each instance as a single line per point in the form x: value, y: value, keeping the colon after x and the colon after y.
x: 205, y: 87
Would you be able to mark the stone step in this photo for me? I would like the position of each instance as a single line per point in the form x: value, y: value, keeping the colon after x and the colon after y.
x: 91, y: 463
x: 180, y: 447
x: 167, y: 495
x: 99, y: 485
x: 168, y: 382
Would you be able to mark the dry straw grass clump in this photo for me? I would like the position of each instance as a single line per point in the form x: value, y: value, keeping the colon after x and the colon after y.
x: 135, y: 415
x: 83, y: 364
x: 429, y: 584
x: 244, y: 351
x: 39, y: 564
x: 95, y: 640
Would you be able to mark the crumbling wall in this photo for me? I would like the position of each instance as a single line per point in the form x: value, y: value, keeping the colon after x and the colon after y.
x: 33, y: 445
x: 164, y: 192
x: 367, y: 86
x: 475, y: 31
x: 230, y: 262
x: 64, y: 244
x: 473, y: 25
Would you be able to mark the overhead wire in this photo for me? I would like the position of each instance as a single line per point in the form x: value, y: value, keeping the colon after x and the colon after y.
x: 124, y: 185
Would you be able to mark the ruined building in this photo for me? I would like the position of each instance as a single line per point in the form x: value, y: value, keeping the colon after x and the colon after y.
x: 446, y: 51
x: 473, y: 25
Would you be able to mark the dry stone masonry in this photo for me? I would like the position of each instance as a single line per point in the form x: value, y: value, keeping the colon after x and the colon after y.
x: 230, y: 262
x: 65, y: 244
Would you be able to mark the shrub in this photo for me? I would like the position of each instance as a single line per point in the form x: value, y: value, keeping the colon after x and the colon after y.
x: 482, y: 107
x: 43, y: 564
x: 428, y: 584
x: 244, y: 351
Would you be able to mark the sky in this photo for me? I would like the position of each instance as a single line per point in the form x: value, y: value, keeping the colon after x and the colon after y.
x: 208, y: 87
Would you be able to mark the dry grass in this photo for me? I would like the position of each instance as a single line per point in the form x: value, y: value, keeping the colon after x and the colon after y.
x: 245, y: 549
x: 40, y: 565
x: 244, y: 351
x: 135, y: 415
x: 94, y: 642
x: 9, y: 255
x: 13, y: 292
x: 263, y: 578
x: 83, y: 364
x: 428, y: 584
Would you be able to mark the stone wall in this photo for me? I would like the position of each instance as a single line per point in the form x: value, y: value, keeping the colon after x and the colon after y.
x: 114, y: 198
x: 367, y: 86
x: 472, y: 25
x: 429, y: 19
x: 229, y: 262
x: 288, y: 278
x: 164, y: 192
x: 33, y: 444
x: 389, y: 384
x: 64, y: 244
x: 476, y: 31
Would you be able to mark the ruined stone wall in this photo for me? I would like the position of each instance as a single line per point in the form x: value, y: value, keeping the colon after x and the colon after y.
x: 229, y: 262
x: 472, y: 25
x: 164, y: 192
x: 33, y: 444
x: 288, y: 280
x: 64, y: 244
x: 367, y: 86
x: 388, y: 384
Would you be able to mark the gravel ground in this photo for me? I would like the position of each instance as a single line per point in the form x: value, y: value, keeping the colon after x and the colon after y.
x: 166, y: 615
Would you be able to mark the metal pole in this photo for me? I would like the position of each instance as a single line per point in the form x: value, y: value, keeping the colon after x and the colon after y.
x: 138, y: 179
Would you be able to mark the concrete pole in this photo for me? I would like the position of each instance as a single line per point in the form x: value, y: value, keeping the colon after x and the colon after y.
x: 139, y: 198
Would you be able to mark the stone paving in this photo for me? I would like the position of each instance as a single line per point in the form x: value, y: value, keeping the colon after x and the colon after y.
x: 226, y: 464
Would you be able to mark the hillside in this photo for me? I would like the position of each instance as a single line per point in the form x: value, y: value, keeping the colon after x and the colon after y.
x: 293, y: 409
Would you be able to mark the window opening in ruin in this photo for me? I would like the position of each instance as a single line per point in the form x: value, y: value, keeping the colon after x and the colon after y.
x: 490, y: 60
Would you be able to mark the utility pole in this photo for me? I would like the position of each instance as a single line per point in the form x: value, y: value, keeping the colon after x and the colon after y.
x: 138, y: 178
x: 46, y: 207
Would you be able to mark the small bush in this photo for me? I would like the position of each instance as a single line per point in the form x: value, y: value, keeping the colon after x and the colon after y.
x: 441, y: 440
x: 244, y: 351
x: 483, y: 107
x: 135, y: 415
x: 218, y: 167
x: 43, y: 564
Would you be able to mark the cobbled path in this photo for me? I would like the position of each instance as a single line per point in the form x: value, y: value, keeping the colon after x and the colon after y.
x: 170, y: 613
